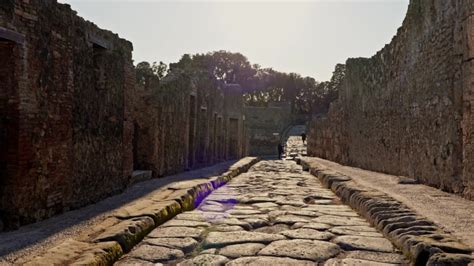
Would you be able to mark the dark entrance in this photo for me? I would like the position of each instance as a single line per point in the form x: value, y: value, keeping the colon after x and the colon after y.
x: 192, y: 130
x: 9, y: 124
x: 233, y: 138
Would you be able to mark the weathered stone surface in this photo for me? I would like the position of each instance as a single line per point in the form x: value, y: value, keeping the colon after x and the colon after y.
x: 127, y: 233
x: 291, y: 219
x: 241, y: 250
x: 155, y: 253
x: 185, y: 223
x: 205, y: 259
x: 173, y: 232
x: 265, y: 205
x: 76, y: 251
x: 384, y: 257
x: 307, y: 234
x: 337, y: 220
x: 364, y: 243
x: 450, y: 259
x: 376, y: 131
x: 273, y: 229
x: 135, y: 262
x: 301, y: 249
x: 355, y: 262
x: 355, y: 231
x: 316, y: 226
x: 186, y: 244
x: 217, y: 239
x: 227, y: 228
x: 267, y: 260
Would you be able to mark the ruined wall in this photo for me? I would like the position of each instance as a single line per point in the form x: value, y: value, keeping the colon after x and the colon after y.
x: 406, y: 110
x: 263, y: 123
x: 65, y: 122
x: 182, y: 123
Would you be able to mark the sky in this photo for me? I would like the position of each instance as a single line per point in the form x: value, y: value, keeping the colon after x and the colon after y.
x: 306, y: 37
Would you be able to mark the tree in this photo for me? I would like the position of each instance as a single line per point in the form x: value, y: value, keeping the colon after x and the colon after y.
x: 146, y: 73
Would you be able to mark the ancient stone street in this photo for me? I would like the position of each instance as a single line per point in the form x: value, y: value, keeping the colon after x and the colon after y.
x: 273, y: 214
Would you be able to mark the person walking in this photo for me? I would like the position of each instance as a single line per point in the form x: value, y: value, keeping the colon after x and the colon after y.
x: 280, y: 151
x: 303, y: 137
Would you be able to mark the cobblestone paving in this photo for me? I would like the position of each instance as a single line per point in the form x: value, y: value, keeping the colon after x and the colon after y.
x: 275, y: 214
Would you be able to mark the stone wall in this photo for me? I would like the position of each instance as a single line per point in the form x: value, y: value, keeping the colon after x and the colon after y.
x: 65, y: 138
x: 74, y: 124
x: 266, y: 126
x: 184, y: 122
x: 406, y: 110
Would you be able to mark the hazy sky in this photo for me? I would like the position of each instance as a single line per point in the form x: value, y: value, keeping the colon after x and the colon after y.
x: 307, y: 37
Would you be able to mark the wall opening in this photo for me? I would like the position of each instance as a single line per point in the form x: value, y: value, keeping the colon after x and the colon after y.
x: 214, y: 138
x: 233, y: 150
x: 202, y: 133
x: 220, y: 140
x: 136, y: 135
x: 99, y: 71
x: 191, y: 131
x: 9, y: 124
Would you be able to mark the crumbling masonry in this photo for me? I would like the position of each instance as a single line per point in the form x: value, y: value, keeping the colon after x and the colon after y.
x: 409, y: 109
x: 74, y: 125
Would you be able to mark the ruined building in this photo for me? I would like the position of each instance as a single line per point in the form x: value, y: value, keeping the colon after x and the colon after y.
x: 409, y: 109
x: 74, y: 125
x: 266, y: 126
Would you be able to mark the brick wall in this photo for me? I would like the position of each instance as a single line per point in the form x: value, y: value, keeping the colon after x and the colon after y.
x: 406, y: 110
x: 262, y: 123
x: 74, y: 124
x: 66, y: 137
x: 181, y: 123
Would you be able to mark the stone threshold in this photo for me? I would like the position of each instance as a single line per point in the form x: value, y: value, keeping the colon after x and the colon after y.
x: 128, y: 225
x: 420, y: 239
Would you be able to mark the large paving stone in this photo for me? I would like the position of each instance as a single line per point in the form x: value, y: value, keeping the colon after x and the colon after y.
x: 233, y: 221
x: 241, y: 250
x: 339, y: 220
x: 173, y: 232
x: 291, y: 219
x: 364, y: 243
x: 205, y: 259
x: 267, y: 260
x: 266, y: 205
x: 156, y: 253
x: 135, y: 262
x: 80, y: 252
x: 348, y: 230
x: 218, y: 239
x: 273, y: 229
x: 355, y: 262
x: 185, y: 223
x: 186, y: 244
x: 226, y: 228
x: 384, y: 257
x: 127, y: 233
x: 301, y: 249
x: 307, y: 234
x: 316, y: 226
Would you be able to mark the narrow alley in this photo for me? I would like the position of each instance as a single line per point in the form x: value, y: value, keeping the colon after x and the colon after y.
x: 274, y: 214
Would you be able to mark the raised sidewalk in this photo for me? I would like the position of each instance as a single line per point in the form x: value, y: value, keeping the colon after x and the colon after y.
x: 102, y: 232
x: 424, y: 222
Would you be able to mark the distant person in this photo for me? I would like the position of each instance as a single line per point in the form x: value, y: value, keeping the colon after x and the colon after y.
x: 280, y: 151
x: 303, y: 137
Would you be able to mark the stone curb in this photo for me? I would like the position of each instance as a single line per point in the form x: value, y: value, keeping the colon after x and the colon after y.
x: 418, y: 238
x: 127, y: 226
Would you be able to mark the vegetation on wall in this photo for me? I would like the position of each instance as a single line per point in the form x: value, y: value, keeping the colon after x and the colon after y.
x: 261, y: 85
